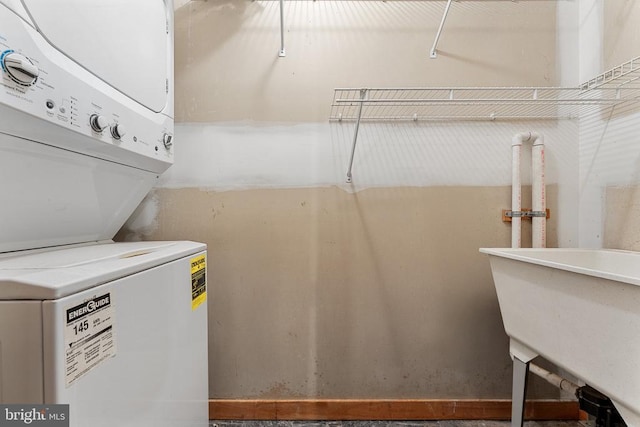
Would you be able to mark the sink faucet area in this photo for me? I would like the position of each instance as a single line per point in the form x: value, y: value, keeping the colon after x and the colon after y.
x: 578, y: 308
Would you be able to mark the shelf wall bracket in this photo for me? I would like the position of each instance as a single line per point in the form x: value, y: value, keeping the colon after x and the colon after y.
x: 282, y: 53
x: 433, y: 54
x: 363, y: 97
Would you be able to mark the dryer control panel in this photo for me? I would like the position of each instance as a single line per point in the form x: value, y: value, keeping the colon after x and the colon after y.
x: 78, y: 111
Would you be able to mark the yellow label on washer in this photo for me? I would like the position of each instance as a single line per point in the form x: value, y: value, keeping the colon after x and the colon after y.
x: 198, y: 281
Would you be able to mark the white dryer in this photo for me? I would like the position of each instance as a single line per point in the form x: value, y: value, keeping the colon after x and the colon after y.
x: 116, y: 330
x: 86, y: 115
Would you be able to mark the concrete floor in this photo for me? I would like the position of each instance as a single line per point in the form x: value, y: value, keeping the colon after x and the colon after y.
x: 478, y: 423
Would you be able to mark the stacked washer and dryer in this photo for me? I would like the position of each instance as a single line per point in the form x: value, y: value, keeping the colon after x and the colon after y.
x: 116, y: 330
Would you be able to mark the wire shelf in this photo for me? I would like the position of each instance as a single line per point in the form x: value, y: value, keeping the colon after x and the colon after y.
x: 626, y: 75
x: 619, y: 85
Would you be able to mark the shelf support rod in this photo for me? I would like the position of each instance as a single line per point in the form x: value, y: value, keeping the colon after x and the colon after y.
x: 433, y: 53
x: 363, y: 96
x: 282, y: 52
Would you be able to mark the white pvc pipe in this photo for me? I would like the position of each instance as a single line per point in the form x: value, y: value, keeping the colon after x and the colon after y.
x: 554, y: 379
x: 516, y: 192
x: 538, y: 196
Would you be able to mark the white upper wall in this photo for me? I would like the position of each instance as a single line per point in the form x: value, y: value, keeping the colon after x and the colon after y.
x: 236, y: 156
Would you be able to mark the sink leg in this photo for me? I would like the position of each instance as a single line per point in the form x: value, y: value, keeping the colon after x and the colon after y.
x: 518, y: 393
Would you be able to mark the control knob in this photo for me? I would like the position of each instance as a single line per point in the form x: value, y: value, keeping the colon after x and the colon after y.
x: 167, y: 140
x: 117, y: 131
x: 98, y: 123
x: 20, y: 68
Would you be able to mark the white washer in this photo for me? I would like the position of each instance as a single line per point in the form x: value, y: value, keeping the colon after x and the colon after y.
x: 116, y: 330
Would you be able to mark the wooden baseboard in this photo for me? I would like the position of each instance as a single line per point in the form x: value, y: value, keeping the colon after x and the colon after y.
x: 414, y: 409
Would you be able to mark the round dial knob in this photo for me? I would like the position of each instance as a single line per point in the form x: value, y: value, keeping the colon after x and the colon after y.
x: 167, y: 140
x: 19, y: 68
x: 118, y: 131
x: 98, y: 123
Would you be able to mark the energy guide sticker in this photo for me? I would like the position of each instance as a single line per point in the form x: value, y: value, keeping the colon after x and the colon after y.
x: 89, y: 336
x: 198, y: 281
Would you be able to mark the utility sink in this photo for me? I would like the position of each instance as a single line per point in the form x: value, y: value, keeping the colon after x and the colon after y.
x: 578, y: 308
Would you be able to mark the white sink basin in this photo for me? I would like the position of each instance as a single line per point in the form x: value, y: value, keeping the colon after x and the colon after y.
x: 578, y: 308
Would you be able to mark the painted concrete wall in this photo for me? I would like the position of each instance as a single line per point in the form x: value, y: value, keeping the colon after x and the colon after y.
x: 317, y: 292
x: 373, y: 289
